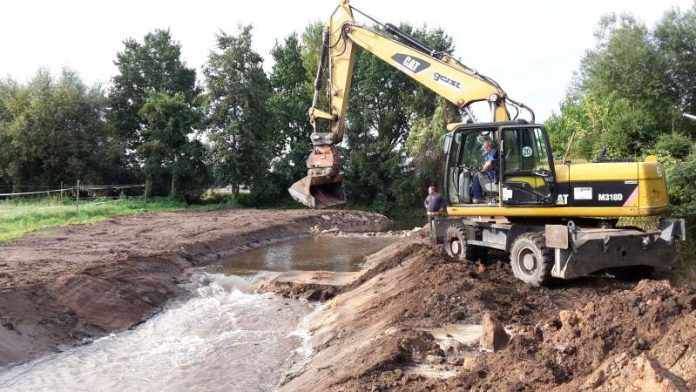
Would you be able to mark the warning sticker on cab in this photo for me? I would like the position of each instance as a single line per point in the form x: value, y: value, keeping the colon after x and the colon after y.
x: 507, y: 194
x: 582, y: 193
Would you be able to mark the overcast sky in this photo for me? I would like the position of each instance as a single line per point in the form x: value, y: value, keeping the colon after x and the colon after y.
x: 530, y: 47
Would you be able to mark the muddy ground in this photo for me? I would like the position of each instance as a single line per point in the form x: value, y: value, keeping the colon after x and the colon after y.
x: 403, y: 323
x: 398, y: 326
x: 84, y: 281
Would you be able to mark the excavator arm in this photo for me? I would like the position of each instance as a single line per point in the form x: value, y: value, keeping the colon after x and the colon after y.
x: 323, y: 185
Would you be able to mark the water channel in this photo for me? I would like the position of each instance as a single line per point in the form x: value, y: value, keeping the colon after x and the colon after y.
x: 224, y: 338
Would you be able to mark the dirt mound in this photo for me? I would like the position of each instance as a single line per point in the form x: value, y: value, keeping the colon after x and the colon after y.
x: 676, y: 351
x: 82, y: 281
x: 378, y: 334
x: 568, y: 347
x: 412, y: 289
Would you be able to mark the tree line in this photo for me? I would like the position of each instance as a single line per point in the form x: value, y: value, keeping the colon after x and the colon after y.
x: 629, y: 96
x: 181, y: 132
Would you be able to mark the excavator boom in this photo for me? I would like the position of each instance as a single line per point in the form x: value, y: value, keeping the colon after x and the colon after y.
x: 323, y: 185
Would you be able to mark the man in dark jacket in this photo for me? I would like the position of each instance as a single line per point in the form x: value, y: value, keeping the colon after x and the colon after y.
x: 434, y: 203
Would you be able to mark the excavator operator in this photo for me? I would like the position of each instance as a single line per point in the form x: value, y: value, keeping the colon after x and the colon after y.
x: 487, y: 174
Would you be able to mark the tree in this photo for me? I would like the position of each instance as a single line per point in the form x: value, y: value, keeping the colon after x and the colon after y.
x: 676, y: 40
x: 625, y: 61
x: 242, y: 142
x: 312, y: 40
x: 624, y: 96
x: 288, y: 104
x: 146, y: 69
x: 52, y: 130
x: 385, y: 107
x: 169, y: 120
x: 629, y: 95
x: 624, y: 127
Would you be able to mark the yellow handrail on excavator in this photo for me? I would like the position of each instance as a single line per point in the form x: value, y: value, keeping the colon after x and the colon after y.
x: 323, y: 185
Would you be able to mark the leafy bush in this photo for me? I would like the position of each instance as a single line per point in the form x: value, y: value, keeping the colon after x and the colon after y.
x: 674, y: 145
x: 681, y: 178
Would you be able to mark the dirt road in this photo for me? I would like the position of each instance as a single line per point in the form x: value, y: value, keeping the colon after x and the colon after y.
x: 403, y: 325
x: 83, y: 281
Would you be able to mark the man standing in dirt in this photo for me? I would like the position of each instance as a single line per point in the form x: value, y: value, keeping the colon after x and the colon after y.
x: 434, y: 204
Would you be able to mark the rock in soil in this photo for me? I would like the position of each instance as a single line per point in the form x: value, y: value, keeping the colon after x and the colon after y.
x: 494, y: 336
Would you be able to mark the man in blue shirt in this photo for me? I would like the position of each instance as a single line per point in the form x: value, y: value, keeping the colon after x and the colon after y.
x: 435, y: 206
x: 487, y: 174
x: 434, y: 203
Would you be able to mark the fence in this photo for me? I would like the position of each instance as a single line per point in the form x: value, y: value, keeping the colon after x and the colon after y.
x: 80, y: 193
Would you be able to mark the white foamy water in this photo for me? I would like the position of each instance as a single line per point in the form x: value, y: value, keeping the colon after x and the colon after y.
x: 223, y: 339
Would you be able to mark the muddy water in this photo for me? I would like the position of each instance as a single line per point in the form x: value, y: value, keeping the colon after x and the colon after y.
x: 321, y: 253
x: 223, y: 339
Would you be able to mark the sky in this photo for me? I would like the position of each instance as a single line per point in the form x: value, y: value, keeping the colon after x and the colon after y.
x: 530, y: 47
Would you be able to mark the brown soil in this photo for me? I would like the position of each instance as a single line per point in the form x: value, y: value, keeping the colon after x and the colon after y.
x: 400, y: 324
x: 83, y: 281
x: 377, y: 333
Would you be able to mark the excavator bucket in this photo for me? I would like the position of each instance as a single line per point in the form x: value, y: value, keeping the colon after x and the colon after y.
x: 314, y: 193
x: 323, y: 185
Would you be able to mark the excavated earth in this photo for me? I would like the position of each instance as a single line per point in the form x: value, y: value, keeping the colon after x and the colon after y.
x: 84, y: 281
x: 401, y: 324
x: 410, y: 320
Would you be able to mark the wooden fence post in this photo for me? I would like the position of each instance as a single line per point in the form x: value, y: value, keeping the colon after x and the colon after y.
x: 77, y: 196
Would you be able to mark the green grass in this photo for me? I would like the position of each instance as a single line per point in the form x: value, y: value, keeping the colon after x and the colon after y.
x: 22, y: 218
x: 685, y: 273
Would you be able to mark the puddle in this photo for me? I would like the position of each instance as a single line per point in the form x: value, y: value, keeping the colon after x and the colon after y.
x: 317, y: 253
x: 407, y: 223
x: 432, y: 371
x: 466, y: 334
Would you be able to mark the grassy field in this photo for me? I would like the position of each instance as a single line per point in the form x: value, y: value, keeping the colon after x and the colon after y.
x: 21, y: 218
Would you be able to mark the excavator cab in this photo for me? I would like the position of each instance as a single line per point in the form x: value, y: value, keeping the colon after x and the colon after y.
x: 522, y: 173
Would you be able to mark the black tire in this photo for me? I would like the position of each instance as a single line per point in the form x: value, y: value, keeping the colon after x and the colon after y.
x: 531, y: 260
x: 455, y: 245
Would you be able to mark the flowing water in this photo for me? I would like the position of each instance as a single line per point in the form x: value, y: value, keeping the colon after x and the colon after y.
x: 223, y: 338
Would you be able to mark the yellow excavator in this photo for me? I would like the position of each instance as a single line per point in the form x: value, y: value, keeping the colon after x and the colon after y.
x: 556, y: 219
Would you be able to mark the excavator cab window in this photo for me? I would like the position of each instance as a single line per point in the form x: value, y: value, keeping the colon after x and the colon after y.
x: 528, y: 176
x: 466, y: 158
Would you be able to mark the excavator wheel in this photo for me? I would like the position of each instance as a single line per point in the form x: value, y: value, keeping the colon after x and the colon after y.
x: 531, y: 260
x: 455, y: 244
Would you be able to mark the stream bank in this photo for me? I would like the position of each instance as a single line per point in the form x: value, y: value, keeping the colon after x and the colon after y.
x: 409, y: 322
x: 76, y: 283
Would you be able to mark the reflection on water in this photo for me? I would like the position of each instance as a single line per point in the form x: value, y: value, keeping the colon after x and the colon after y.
x: 319, y: 253
x: 407, y: 223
